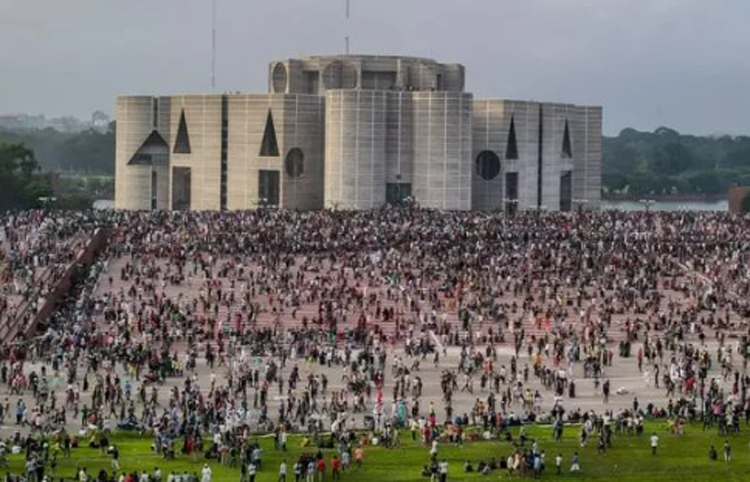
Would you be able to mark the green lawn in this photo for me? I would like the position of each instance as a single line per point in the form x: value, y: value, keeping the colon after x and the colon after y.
x: 681, y: 458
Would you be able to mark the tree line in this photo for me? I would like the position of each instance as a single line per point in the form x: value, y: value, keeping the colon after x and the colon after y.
x: 666, y: 162
x: 89, y: 152
x: 22, y: 184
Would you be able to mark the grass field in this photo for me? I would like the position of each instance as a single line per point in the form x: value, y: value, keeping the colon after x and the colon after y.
x: 683, y: 458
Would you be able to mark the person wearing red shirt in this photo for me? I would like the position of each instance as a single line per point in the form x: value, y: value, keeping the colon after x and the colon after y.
x: 321, y: 466
x: 335, y: 467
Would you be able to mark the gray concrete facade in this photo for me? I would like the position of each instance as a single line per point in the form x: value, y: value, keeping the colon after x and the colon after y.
x: 356, y: 132
x: 540, y: 135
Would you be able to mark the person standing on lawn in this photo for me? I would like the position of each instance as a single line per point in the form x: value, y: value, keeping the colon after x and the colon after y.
x: 310, y: 473
x: 321, y: 466
x: 727, y: 451
x: 443, y: 468
x: 115, y: 457
x: 206, y: 473
x: 345, y: 460
x: 575, y: 464
x: 654, y: 443
x: 256, y: 457
x: 282, y: 471
x: 336, y: 467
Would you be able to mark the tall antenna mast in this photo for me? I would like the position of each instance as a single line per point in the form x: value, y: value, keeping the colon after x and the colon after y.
x: 346, y: 39
x: 213, y: 46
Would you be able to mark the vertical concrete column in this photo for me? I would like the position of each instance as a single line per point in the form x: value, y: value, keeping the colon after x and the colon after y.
x: 355, y: 149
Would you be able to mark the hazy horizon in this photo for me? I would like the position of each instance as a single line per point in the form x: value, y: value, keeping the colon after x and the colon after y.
x: 674, y: 63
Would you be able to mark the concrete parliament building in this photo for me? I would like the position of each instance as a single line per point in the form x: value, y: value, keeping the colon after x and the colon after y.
x: 356, y: 132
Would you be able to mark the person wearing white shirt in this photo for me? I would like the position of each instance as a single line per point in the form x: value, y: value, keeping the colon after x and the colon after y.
x: 443, y: 468
x: 206, y: 473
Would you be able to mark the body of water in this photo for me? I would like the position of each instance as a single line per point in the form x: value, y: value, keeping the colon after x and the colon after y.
x: 722, y: 205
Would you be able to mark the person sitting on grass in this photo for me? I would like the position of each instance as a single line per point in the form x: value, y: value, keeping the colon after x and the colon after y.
x: 468, y: 467
x: 712, y: 454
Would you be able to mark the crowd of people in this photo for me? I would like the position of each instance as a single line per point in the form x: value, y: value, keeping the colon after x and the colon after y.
x: 35, y: 249
x: 204, y: 329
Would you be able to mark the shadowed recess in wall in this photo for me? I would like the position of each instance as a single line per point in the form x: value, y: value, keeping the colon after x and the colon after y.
x: 511, y: 148
x: 182, y: 141
x: 269, y: 147
x: 152, y: 150
x: 487, y: 165
x: 295, y: 163
x: 566, y: 150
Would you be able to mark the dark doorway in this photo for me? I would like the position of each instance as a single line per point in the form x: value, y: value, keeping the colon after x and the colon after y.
x: 566, y: 191
x: 181, y: 189
x: 154, y: 187
x: 397, y: 192
x: 268, y: 188
x: 511, y: 191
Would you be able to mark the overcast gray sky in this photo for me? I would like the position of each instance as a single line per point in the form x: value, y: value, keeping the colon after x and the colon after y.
x: 679, y: 63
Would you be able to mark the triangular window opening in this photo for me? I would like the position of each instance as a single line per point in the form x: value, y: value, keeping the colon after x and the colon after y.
x: 153, y: 150
x: 154, y: 140
x: 269, y: 147
x: 182, y: 141
x: 511, y: 149
x: 567, y: 152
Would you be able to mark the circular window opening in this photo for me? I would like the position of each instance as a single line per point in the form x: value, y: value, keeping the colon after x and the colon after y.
x: 332, y: 75
x: 295, y: 163
x: 279, y: 78
x: 488, y: 165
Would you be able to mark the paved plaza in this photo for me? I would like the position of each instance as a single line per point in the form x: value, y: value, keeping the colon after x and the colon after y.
x: 343, y: 323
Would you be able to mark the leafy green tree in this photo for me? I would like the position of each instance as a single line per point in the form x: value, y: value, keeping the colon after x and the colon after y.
x: 22, y: 185
x: 88, y: 152
x: 666, y: 162
x: 673, y: 158
x: 705, y: 182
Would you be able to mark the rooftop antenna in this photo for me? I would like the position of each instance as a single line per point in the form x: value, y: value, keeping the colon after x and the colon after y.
x: 346, y: 39
x: 213, y: 46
